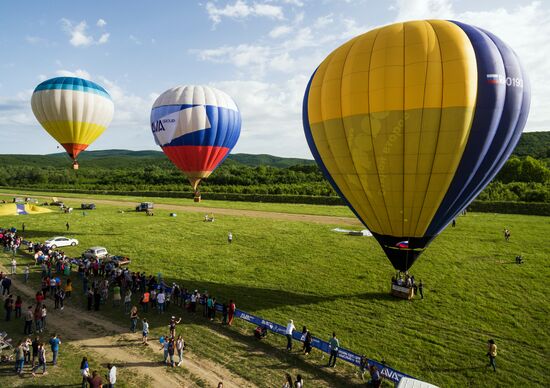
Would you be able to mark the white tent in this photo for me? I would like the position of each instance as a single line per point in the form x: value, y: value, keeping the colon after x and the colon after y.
x: 407, y: 382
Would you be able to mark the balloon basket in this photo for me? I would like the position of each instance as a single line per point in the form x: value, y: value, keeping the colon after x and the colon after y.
x: 197, y: 198
x: 402, y: 292
x: 75, y: 165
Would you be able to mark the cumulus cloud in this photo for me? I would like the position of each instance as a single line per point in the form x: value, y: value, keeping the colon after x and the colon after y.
x: 79, y: 34
x: 101, y: 23
x: 280, y: 31
x: 76, y: 73
x: 241, y: 10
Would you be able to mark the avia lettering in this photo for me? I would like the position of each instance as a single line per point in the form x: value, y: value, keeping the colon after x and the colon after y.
x: 391, y: 374
x: 157, y: 126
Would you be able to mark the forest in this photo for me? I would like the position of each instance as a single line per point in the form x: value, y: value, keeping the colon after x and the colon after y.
x: 525, y: 176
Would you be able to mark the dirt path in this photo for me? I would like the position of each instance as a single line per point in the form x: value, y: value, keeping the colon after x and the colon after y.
x: 113, y: 343
x: 331, y: 220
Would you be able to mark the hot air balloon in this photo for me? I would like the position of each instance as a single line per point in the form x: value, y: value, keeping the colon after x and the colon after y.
x: 74, y: 111
x: 196, y: 126
x: 409, y: 122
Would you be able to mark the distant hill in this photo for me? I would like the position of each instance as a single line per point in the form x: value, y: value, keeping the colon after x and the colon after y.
x: 536, y: 144
x: 127, y: 158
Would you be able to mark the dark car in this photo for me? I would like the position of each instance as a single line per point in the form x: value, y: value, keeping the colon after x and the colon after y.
x: 87, y: 206
x: 145, y: 206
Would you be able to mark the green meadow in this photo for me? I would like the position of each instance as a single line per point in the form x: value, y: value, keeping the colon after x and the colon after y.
x: 334, y: 282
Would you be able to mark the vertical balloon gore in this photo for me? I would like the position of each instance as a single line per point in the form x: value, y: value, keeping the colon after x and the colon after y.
x: 409, y: 122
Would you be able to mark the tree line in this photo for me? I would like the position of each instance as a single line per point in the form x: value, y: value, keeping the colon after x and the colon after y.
x: 521, y: 179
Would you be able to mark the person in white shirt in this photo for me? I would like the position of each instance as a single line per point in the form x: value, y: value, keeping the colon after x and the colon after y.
x: 111, y: 377
x: 289, y: 329
x: 161, y: 297
x: 13, y: 267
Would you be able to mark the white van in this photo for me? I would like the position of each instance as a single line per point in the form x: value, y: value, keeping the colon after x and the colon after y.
x: 95, y: 253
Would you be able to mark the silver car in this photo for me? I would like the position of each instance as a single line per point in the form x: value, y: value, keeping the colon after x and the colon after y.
x: 61, y: 241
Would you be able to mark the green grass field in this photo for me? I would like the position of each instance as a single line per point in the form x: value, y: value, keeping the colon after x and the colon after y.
x: 328, y: 281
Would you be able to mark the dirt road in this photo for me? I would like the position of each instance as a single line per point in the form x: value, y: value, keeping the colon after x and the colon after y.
x: 112, y: 343
x: 331, y: 220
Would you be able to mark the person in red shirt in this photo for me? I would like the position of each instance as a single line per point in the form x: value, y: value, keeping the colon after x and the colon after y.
x: 95, y: 380
x: 231, y: 312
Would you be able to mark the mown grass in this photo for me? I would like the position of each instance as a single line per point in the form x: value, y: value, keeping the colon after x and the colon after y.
x: 328, y: 281
x: 294, y: 208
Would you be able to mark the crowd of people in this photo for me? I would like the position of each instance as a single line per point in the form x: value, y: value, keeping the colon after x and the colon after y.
x: 404, y: 279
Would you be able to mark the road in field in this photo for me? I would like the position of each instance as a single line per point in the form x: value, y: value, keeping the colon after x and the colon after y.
x: 331, y: 220
x: 113, y: 343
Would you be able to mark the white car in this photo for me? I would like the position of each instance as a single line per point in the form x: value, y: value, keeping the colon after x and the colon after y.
x: 61, y: 242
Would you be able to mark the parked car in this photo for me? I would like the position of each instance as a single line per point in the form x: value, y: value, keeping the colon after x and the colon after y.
x: 145, y: 206
x: 95, y: 253
x: 61, y: 241
x: 87, y: 206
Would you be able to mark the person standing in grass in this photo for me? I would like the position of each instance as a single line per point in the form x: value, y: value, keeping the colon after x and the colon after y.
x: 145, y: 330
x: 84, y: 371
x: 172, y: 325
x: 28, y: 321
x: 127, y: 300
x: 133, y: 319
x: 26, y: 273
x: 231, y: 312
x: 288, y: 333
x: 171, y: 349
x: 38, y: 318
x: 492, y: 353
x: 41, y: 359
x: 116, y: 295
x: 19, y: 358
x: 18, y: 304
x: 334, y: 345
x: 161, y: 298
x: 8, y: 306
x: 68, y: 288
x: 421, y: 289
x: 13, y: 266
x: 230, y: 237
x: 43, y: 314
x: 288, y: 381
x: 111, y: 377
x: 34, y: 345
x: 145, y: 300
x: 180, y: 346
x: 95, y: 380
x: 54, y: 343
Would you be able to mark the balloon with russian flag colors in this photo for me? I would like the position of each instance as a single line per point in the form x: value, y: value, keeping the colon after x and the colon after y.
x: 196, y: 127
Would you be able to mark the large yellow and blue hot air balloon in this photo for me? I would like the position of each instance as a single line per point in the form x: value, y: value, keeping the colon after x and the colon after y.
x: 409, y: 122
x: 74, y: 111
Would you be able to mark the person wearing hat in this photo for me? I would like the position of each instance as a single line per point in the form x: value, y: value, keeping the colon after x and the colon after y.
x: 289, y: 329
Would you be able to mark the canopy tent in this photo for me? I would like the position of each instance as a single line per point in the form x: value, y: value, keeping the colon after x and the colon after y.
x: 14, y: 209
x: 407, y: 382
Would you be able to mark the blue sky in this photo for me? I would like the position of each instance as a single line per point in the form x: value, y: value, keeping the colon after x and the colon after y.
x: 262, y: 53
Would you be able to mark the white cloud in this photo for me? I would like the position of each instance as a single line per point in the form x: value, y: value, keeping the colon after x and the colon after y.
x: 423, y: 9
x: 280, y: 31
x: 77, y: 73
x: 263, y: 103
x: 241, y: 10
x: 101, y: 23
x: 79, y: 35
x: 134, y: 39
